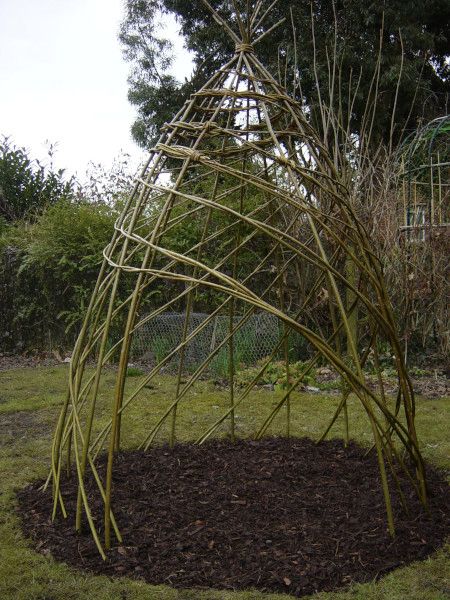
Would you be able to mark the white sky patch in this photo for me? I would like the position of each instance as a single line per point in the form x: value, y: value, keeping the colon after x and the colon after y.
x: 63, y: 79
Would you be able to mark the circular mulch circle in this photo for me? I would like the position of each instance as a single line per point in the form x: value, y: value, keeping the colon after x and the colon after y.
x: 279, y: 515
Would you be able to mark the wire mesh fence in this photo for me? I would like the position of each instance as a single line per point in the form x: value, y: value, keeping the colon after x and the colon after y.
x: 157, y: 338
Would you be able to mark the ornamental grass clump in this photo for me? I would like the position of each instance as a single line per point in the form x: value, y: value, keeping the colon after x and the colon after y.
x: 242, y: 164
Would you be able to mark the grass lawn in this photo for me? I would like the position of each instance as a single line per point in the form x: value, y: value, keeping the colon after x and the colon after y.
x: 29, y: 404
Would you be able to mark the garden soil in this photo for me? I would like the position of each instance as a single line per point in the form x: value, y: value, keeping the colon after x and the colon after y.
x: 278, y: 515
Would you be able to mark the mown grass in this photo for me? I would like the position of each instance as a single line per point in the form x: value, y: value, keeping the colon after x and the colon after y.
x: 29, y: 403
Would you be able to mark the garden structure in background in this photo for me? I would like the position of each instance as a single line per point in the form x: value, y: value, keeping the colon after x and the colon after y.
x: 425, y: 234
x: 241, y: 164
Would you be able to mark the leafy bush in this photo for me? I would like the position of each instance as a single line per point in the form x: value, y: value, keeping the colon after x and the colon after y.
x: 66, y: 249
x: 48, y: 270
x: 27, y: 186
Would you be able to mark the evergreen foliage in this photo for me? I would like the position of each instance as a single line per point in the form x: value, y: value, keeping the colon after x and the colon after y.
x: 415, y: 41
x: 47, y: 272
x: 27, y: 186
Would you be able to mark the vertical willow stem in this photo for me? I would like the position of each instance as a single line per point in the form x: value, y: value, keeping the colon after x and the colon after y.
x: 384, y: 481
x: 288, y: 380
x: 231, y: 370
x: 352, y: 308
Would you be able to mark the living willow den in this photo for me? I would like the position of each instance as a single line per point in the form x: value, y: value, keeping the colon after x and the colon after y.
x: 273, y: 230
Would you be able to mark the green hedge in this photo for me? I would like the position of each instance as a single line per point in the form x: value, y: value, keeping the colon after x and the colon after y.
x: 47, y: 271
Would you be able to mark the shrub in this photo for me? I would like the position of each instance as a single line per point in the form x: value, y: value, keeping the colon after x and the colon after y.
x: 27, y: 186
x: 47, y: 272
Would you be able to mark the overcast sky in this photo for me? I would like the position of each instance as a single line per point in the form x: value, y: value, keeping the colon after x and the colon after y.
x: 63, y: 79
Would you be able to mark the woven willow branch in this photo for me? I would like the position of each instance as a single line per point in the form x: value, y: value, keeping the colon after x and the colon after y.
x: 241, y: 162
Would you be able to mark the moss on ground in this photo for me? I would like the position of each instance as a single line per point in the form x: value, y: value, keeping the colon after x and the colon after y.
x: 29, y: 404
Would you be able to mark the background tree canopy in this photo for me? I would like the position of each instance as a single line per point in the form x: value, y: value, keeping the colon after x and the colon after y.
x: 422, y: 27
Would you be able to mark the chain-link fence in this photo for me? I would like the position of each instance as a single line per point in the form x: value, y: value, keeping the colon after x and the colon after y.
x: 253, y: 340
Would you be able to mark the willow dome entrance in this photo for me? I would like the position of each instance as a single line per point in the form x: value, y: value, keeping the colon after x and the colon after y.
x: 240, y: 203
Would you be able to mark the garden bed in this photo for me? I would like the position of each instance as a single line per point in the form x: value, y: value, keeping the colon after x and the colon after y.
x: 277, y: 515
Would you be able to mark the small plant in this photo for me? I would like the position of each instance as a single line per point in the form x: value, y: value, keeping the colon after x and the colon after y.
x: 220, y: 365
x: 275, y: 374
x: 161, y: 347
x: 134, y: 372
x: 244, y: 346
x: 418, y: 372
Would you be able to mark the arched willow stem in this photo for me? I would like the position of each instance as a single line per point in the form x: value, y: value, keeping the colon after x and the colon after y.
x: 240, y: 207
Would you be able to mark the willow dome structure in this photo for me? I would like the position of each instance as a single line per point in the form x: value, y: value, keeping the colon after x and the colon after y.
x: 242, y: 169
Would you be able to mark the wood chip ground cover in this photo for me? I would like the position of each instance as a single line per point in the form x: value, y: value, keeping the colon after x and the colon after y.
x: 280, y: 515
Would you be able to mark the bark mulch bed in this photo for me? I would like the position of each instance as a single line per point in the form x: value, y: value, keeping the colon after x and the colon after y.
x: 281, y: 515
